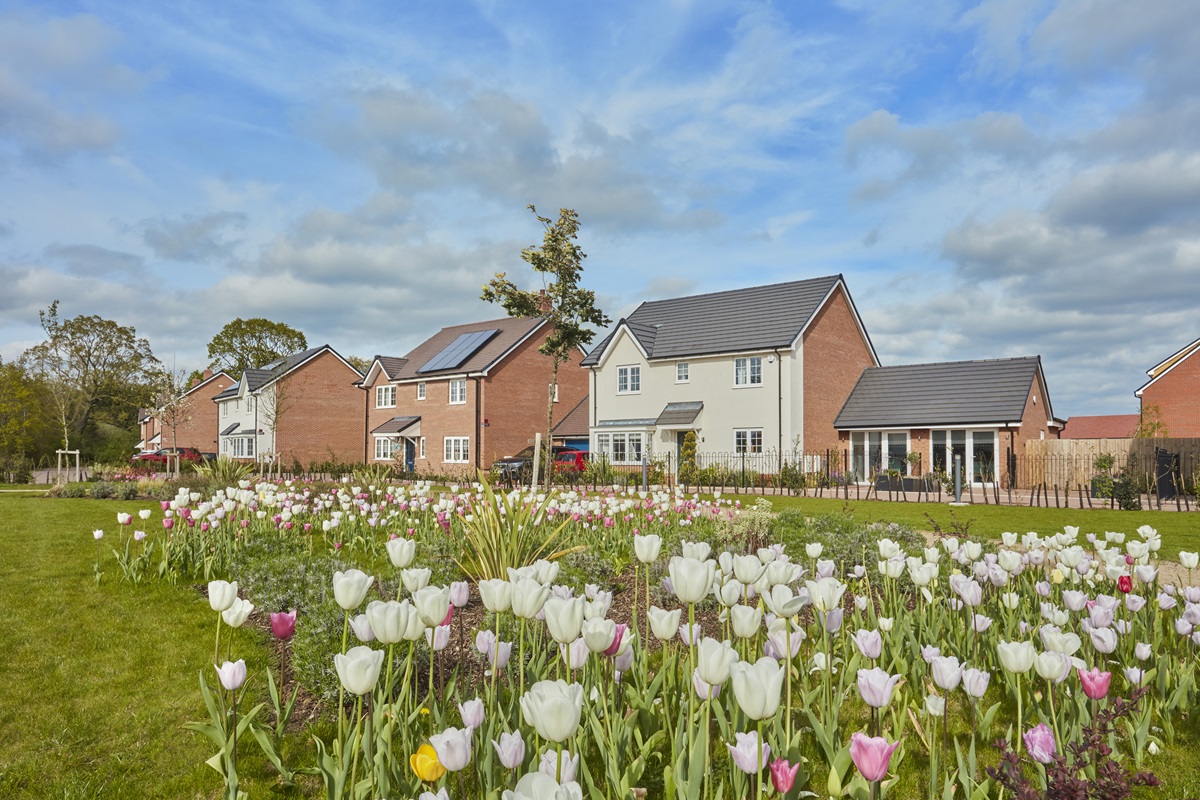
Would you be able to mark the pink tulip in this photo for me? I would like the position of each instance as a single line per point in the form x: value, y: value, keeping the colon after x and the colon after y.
x: 1095, y: 683
x: 1039, y: 741
x: 617, y: 639
x: 283, y: 623
x: 871, y: 754
x: 168, y: 523
x: 783, y: 776
x: 165, y: 504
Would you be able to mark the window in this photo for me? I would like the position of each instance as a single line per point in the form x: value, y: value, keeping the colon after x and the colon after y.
x: 422, y: 447
x: 456, y: 450
x: 681, y: 372
x: 383, y: 448
x: 748, y: 441
x: 458, y: 391
x: 976, y: 451
x: 620, y: 448
x: 421, y: 391
x: 243, y: 447
x: 385, y: 396
x: 747, y: 371
x: 554, y: 391
x: 224, y: 409
x: 629, y: 380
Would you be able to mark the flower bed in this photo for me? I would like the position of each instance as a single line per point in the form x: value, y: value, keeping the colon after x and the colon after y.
x: 756, y: 666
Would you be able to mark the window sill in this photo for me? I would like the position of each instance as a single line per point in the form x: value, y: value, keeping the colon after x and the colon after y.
x: 747, y: 386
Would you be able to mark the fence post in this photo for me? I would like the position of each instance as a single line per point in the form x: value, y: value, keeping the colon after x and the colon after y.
x: 957, y: 479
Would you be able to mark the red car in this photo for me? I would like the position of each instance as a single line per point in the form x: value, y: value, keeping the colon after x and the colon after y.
x: 570, y: 461
x: 166, y: 455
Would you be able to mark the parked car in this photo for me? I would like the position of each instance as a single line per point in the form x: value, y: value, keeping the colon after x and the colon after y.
x: 520, y: 466
x: 570, y: 461
x: 166, y: 455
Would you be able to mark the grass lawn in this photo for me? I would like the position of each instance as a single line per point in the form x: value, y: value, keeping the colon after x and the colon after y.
x: 96, y: 682
x: 1179, y: 530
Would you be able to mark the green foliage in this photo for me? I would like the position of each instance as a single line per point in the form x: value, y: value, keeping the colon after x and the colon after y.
x: 746, y: 531
x: 1127, y: 493
x: 845, y: 539
x: 373, y: 475
x: 103, y: 490
x: 249, y: 343
x: 90, y: 367
x: 687, y: 459
x: 224, y: 471
x: 499, y: 532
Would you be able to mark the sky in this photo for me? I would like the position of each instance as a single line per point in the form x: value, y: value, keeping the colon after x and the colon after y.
x: 993, y: 179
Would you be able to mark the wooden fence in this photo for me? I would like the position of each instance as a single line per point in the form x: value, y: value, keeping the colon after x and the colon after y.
x: 1073, y: 462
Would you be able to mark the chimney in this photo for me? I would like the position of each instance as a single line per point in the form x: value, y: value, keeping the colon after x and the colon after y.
x: 547, y: 306
x: 206, y: 374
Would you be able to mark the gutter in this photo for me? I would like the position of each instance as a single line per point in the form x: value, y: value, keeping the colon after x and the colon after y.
x: 779, y: 384
x: 478, y: 426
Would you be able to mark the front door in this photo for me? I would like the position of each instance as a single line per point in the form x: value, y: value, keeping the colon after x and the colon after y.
x: 410, y: 456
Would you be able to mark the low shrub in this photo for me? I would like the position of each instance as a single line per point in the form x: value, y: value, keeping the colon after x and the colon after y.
x: 844, y: 539
x: 103, y: 490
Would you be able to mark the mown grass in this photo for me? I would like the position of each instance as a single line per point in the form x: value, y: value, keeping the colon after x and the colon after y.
x: 96, y: 682
x: 1179, y: 530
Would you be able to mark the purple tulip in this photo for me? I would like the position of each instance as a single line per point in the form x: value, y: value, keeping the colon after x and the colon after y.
x: 746, y: 755
x: 1039, y: 741
x: 484, y: 641
x: 232, y: 674
x: 472, y: 713
x: 876, y: 685
x: 705, y: 691
x: 510, y: 750
x: 871, y: 754
x: 499, y: 654
x: 869, y: 643
x: 283, y: 623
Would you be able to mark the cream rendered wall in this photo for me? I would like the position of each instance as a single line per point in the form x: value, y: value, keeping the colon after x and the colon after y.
x: 793, y: 438
x: 726, y: 408
x: 247, y: 412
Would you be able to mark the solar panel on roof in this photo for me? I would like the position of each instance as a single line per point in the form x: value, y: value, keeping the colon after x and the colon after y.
x: 458, y: 351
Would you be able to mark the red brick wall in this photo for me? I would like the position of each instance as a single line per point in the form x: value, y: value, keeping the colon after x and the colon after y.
x: 1177, y: 395
x: 835, y: 355
x: 321, y: 415
x: 1034, y: 422
x: 514, y: 399
x: 378, y: 416
x: 439, y: 419
x: 199, y: 427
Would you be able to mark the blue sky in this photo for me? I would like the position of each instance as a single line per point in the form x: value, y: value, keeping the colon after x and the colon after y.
x: 994, y: 179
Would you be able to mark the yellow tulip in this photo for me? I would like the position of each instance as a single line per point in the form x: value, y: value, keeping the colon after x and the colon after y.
x: 425, y: 763
x: 1057, y: 576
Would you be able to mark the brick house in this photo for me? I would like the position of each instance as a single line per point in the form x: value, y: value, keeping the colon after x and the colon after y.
x: 304, y: 408
x: 1172, y: 395
x: 191, y: 422
x: 1105, y: 426
x: 979, y: 410
x: 465, y: 397
x: 751, y: 371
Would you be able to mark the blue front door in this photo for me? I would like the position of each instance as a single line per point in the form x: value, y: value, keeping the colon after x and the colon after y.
x: 410, y: 455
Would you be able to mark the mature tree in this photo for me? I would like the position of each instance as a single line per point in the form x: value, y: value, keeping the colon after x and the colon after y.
x: 359, y: 363
x: 248, y: 343
x: 569, y: 307
x: 20, y: 411
x: 89, y: 363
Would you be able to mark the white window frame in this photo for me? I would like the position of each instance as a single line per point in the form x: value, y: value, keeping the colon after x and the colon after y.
x: 421, y: 390
x: 225, y: 409
x: 744, y: 372
x: 629, y: 376
x: 422, y: 448
x: 607, y: 445
x: 384, y: 446
x: 683, y: 372
x: 456, y: 449
x: 969, y: 454
x: 747, y: 444
x: 461, y: 385
x: 385, y: 396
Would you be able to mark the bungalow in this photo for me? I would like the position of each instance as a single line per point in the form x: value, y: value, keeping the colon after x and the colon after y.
x: 751, y: 371
x: 1171, y: 398
x: 465, y: 397
x: 188, y: 421
x: 303, y: 408
x: 980, y: 411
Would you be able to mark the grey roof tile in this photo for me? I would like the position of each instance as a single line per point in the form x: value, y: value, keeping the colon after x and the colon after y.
x: 738, y: 320
x: 950, y: 393
x: 397, y: 425
x: 575, y: 422
x: 679, y: 413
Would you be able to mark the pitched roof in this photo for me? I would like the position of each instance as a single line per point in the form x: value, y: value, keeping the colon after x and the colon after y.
x: 391, y: 364
x: 259, y: 377
x: 1108, y: 426
x: 950, y: 393
x: 679, y: 413
x: 738, y: 320
x: 510, y: 332
x: 1168, y: 364
x: 397, y: 425
x: 575, y: 423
